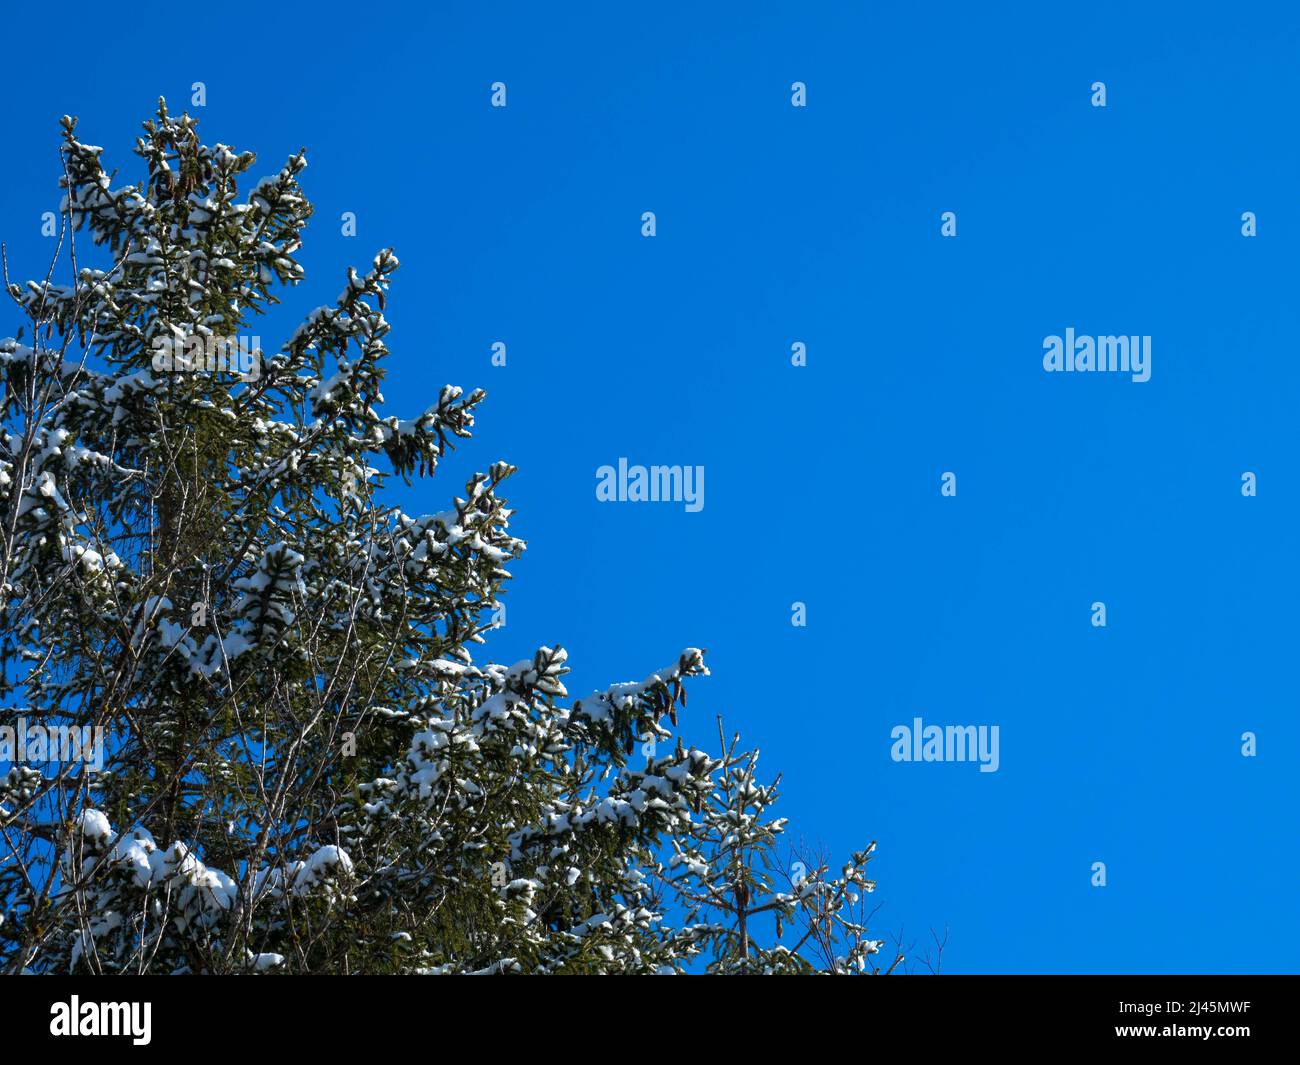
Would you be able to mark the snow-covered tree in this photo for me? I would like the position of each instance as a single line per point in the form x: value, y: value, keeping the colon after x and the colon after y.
x: 306, y: 770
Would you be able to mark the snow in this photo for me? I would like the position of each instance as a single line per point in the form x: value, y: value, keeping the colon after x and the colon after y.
x: 468, y: 767
x: 94, y: 825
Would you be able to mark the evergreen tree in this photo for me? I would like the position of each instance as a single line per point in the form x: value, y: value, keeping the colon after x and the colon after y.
x: 306, y: 769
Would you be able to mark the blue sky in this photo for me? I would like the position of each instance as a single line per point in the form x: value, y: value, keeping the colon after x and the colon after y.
x: 821, y: 224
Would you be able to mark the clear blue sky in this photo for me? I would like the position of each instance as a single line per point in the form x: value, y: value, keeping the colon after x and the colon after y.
x: 822, y: 225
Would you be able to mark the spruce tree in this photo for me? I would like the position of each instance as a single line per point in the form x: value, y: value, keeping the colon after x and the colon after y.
x: 307, y: 770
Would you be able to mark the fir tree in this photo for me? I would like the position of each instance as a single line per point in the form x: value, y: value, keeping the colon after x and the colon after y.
x: 307, y: 770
